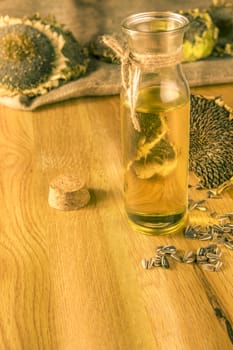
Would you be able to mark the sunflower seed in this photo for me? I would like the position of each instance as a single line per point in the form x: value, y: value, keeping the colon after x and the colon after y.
x: 209, y: 229
x: 197, y: 228
x: 212, y: 256
x: 160, y: 247
x: 158, y: 257
x: 211, y: 247
x: 145, y: 264
x: 201, y: 259
x: 221, y: 240
x: 218, y: 251
x: 160, y: 253
x: 218, y: 265
x: 190, y: 232
x: 223, y: 220
x: 206, y: 237
x: 169, y: 249
x: 229, y: 244
x: 201, y: 251
x: 218, y: 228
x: 210, y: 194
x: 208, y: 267
x: 229, y: 214
x: 216, y: 196
x: 157, y: 263
x: 164, y: 262
x: 192, y: 205
x: 227, y: 229
x: 201, y: 208
x: 159, y: 250
x: 212, y: 267
x: 211, y: 261
x: 202, y: 201
x: 196, y: 205
x: 189, y: 257
x: 176, y: 257
x: 150, y: 263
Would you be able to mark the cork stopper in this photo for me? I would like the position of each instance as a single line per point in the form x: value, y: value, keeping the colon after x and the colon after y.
x: 68, y: 192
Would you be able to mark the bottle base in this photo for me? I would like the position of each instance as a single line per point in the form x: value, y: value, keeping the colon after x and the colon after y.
x: 156, y: 225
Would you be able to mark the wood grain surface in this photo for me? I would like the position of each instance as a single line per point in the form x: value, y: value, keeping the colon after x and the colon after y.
x: 74, y: 280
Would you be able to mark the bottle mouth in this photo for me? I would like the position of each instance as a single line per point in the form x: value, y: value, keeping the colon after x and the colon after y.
x: 155, y: 23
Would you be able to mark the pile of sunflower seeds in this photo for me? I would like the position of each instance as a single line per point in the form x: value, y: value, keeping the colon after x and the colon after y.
x: 221, y: 232
x: 208, y: 258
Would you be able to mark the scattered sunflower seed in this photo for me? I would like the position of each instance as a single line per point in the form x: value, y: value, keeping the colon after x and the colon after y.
x: 212, y: 267
x: 210, y: 194
x: 145, y: 264
x: 221, y: 232
x: 222, y: 220
x: 200, y: 259
x: 209, y: 267
x: 169, y: 249
x: 201, y: 251
x: 218, y: 265
x: 229, y: 244
x: 191, y: 232
x: 189, y: 257
x: 212, y: 256
x: 199, y: 205
x: 209, y: 257
x: 201, y: 208
x: 150, y: 263
x: 164, y: 262
x: 205, y: 237
x: 211, y: 248
x: 176, y: 257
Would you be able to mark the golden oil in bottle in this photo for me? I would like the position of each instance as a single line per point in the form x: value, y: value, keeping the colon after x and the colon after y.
x: 155, y: 159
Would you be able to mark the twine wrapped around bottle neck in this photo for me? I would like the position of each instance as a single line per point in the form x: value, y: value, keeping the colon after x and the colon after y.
x: 158, y: 60
x: 131, y: 68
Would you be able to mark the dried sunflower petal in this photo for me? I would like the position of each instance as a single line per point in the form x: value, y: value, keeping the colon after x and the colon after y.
x: 37, y: 55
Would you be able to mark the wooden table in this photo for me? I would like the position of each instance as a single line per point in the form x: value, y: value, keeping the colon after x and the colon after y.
x: 74, y: 280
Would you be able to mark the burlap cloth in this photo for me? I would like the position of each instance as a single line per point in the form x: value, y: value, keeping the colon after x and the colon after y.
x: 88, y: 18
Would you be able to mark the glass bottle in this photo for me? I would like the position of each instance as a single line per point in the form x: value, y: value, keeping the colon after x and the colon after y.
x: 155, y: 111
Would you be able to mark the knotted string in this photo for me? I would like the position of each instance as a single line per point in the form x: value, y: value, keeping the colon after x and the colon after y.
x: 130, y: 74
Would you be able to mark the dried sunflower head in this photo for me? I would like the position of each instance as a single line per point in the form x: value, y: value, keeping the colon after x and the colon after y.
x: 160, y: 160
x: 103, y: 52
x: 222, y: 16
x: 211, y: 141
x: 37, y: 55
x: 200, y: 38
